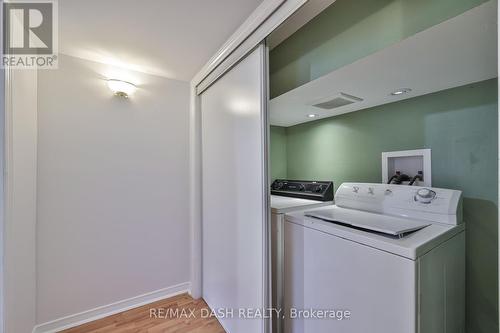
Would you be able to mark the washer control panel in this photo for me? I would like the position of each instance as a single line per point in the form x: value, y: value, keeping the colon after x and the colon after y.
x: 428, y: 203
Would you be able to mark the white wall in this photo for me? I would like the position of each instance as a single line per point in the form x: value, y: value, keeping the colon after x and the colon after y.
x: 20, y: 206
x: 113, y: 215
x: 2, y: 196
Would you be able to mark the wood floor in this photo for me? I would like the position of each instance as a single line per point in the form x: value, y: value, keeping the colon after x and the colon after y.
x: 142, y: 320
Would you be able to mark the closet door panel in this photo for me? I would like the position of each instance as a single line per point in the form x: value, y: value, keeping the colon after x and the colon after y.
x: 234, y: 197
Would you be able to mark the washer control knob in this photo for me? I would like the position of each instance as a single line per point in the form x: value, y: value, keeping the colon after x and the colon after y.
x: 424, y: 195
x: 355, y: 189
x: 371, y: 191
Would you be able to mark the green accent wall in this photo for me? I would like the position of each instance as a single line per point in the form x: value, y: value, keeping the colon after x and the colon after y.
x: 460, y: 125
x: 349, y: 30
x: 277, y: 151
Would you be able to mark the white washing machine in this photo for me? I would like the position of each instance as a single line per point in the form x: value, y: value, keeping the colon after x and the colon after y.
x: 306, y: 195
x: 383, y: 259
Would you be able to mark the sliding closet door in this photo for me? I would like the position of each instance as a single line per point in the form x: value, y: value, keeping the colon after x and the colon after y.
x: 234, y: 199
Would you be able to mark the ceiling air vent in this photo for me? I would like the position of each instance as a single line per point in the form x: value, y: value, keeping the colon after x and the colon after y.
x: 337, y: 101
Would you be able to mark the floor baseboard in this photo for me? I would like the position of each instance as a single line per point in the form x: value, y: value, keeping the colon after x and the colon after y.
x: 110, y: 309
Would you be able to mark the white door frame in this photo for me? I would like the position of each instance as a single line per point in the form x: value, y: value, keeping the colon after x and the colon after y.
x: 265, y: 19
x: 19, y: 200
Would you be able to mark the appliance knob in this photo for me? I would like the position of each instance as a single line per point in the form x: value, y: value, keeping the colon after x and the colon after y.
x: 318, y: 189
x: 371, y: 191
x: 425, y: 195
x: 302, y: 188
x: 355, y: 189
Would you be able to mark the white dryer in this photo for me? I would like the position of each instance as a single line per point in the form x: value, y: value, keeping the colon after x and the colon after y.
x: 290, y: 196
x: 384, y: 259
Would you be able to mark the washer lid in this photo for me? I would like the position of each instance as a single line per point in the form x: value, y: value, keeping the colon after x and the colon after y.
x: 394, y: 226
x: 411, y: 246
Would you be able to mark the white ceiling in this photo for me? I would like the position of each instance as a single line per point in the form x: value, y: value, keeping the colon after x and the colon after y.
x: 170, y: 38
x: 457, y: 52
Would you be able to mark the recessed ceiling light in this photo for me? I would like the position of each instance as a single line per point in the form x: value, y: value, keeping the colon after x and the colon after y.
x: 401, y: 92
x: 312, y: 115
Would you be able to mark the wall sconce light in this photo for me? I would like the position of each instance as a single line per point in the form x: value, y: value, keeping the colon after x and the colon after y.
x: 121, y: 88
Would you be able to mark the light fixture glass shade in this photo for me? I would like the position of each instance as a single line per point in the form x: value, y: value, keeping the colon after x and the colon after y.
x: 121, y: 88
